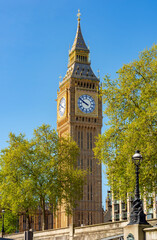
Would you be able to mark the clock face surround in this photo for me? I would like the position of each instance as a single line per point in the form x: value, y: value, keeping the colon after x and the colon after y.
x: 86, y: 103
x: 62, y: 105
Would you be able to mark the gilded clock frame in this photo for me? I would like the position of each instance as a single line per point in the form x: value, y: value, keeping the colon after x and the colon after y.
x: 94, y: 94
x: 65, y: 95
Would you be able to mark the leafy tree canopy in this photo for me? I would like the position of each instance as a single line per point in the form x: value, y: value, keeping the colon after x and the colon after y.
x: 39, y: 171
x: 131, y: 107
x: 11, y: 222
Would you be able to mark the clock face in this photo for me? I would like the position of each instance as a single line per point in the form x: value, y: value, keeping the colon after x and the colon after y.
x: 62, y: 106
x: 86, y: 103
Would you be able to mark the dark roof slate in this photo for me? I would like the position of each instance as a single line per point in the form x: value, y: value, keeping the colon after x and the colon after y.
x: 79, y: 42
x: 81, y: 71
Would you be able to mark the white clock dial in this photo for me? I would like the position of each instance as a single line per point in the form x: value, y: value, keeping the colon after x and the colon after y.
x: 86, y: 103
x: 62, y: 105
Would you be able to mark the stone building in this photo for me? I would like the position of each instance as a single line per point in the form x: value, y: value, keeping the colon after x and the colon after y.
x: 117, y: 210
x: 79, y: 114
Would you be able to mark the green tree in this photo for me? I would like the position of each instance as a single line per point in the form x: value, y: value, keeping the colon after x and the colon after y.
x: 11, y: 222
x: 131, y: 108
x: 40, y: 171
x: 17, y: 189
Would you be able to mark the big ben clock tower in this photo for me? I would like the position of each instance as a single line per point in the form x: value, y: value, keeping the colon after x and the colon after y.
x: 79, y: 114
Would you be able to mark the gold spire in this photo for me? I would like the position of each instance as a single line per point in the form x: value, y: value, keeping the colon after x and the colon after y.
x: 79, y: 43
x: 78, y: 15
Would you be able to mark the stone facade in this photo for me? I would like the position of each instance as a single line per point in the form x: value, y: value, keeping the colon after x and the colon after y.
x: 92, y: 232
x: 151, y: 233
x: 83, y: 122
x: 36, y: 221
x: 117, y: 210
x: 79, y: 114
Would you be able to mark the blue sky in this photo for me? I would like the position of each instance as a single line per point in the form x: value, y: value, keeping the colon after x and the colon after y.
x: 34, y: 41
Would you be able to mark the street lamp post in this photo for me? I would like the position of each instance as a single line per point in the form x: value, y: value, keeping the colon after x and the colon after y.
x: 3, y: 211
x: 137, y: 215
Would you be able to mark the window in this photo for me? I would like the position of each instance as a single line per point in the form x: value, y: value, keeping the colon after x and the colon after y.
x: 88, y: 218
x: 149, y: 216
x: 116, y: 207
x: 123, y: 206
x: 82, y: 218
x: 116, y: 216
x: 124, y: 216
x: 91, y: 193
x: 87, y: 140
x: 88, y: 163
x: 88, y: 192
x: 91, y: 166
x: 81, y: 139
x: 81, y: 163
x: 90, y: 140
x: 39, y: 222
x: 79, y: 218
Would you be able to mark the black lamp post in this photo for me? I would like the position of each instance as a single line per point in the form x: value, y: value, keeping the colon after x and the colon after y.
x: 137, y: 215
x: 3, y: 211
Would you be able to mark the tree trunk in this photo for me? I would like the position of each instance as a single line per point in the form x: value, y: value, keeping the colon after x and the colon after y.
x: 28, y: 220
x: 43, y: 215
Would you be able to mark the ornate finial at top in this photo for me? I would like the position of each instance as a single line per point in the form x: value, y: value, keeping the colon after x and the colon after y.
x: 78, y: 15
x: 98, y: 73
x: 60, y: 77
x: 88, y: 45
x: 79, y: 42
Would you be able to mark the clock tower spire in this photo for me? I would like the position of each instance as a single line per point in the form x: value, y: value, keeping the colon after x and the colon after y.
x: 79, y: 114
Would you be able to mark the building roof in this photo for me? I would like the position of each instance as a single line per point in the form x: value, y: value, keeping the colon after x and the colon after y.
x: 79, y: 43
x: 81, y: 71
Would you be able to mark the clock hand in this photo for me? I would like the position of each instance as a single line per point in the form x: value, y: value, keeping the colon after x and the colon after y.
x: 84, y: 102
x: 61, y: 106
